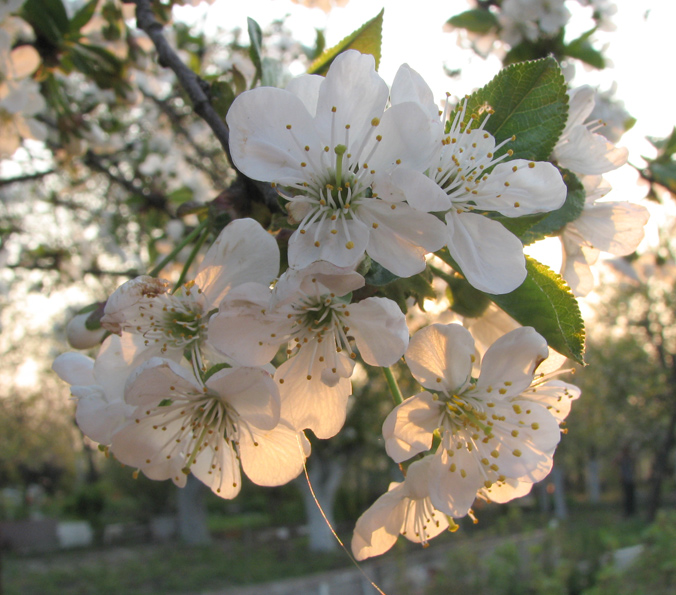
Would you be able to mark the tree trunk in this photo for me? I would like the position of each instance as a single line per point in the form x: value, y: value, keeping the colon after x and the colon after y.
x: 593, y: 479
x: 192, y: 513
x: 325, y: 475
x: 560, y: 508
x: 660, y: 467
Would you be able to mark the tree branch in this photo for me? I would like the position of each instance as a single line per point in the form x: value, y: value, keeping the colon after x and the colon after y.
x: 197, y: 89
x: 194, y: 86
x: 27, y: 177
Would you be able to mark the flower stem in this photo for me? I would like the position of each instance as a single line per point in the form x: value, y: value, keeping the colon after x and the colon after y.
x: 394, y: 387
x: 191, y: 257
x: 186, y: 240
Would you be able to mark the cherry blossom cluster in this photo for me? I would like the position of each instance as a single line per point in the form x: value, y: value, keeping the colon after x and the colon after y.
x: 226, y: 372
x: 20, y: 98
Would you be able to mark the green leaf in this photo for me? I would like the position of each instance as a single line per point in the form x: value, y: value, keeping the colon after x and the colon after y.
x: 663, y: 173
x: 477, y: 21
x: 581, y: 49
x: 222, y: 97
x: 104, y: 68
x: 217, y: 368
x: 666, y: 146
x: 256, y: 47
x: 378, y: 275
x: 367, y: 39
x: 546, y: 224
x: 320, y: 45
x: 530, y: 102
x: 83, y: 16
x: 181, y: 195
x: 48, y: 17
x: 545, y: 302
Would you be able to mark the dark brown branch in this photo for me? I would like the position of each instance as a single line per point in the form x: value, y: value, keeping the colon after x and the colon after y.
x: 54, y: 266
x: 194, y: 86
x: 27, y: 177
x: 197, y: 90
x: 153, y: 199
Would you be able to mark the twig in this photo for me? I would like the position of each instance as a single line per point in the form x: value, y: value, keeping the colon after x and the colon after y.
x: 27, y: 177
x: 193, y: 84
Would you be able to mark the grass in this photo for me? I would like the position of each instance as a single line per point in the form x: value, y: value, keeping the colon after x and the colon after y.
x: 231, y: 561
x: 151, y: 569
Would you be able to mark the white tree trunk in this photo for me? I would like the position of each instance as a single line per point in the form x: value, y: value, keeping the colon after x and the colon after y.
x: 192, y: 513
x: 325, y: 476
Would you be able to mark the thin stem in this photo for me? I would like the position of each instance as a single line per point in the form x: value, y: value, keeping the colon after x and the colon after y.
x: 394, y: 387
x: 191, y: 257
x: 169, y: 257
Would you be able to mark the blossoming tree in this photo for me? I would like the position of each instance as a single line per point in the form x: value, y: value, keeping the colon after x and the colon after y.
x: 350, y: 202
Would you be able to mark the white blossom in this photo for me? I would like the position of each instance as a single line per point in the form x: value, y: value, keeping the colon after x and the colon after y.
x: 489, y: 434
x: 325, y: 143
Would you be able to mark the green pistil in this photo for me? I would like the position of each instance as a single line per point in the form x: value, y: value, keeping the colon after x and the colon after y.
x: 470, y: 415
x: 195, y: 450
x: 339, y: 151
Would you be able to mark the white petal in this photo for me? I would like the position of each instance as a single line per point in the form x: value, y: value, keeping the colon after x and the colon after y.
x: 359, y: 95
x: 378, y: 527
x: 490, y: 256
x: 506, y: 491
x: 274, y: 457
x: 379, y: 329
x: 262, y: 146
x: 453, y: 492
x: 251, y: 392
x: 510, y: 363
x: 74, y: 368
x: 589, y: 153
x: 241, y: 332
x: 440, y: 356
x: 527, y: 190
x: 408, y: 137
x: 153, y: 381
x: 311, y: 403
x: 243, y: 252
x: 306, y: 88
x: 421, y: 192
x: 219, y: 470
x: 401, y: 236
x: 408, y: 85
x: 615, y: 227
x: 409, y: 427
x: 333, y: 248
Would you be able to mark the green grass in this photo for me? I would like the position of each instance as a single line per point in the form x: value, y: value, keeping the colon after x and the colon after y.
x: 151, y: 569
